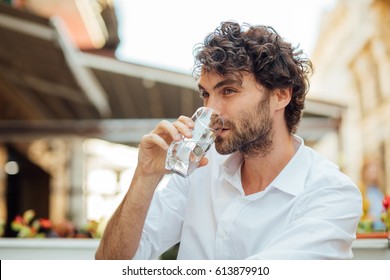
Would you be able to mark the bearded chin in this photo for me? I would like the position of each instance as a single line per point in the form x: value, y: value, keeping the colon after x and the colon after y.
x: 253, y: 142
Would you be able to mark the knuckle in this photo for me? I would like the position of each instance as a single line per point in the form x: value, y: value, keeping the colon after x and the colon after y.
x: 164, y: 123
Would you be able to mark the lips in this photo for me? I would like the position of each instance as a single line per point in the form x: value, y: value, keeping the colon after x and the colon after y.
x: 223, y: 130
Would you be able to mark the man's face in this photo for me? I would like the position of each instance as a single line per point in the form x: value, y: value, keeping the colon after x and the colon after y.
x: 245, y: 107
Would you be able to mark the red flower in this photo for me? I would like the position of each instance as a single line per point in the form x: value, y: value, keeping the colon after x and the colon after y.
x: 45, y: 223
x: 19, y: 220
x: 386, y: 202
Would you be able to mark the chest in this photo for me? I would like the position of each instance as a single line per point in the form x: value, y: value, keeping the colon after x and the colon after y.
x: 232, y: 226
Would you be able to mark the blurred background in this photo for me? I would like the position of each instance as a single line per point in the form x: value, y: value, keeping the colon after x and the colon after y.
x: 82, y: 80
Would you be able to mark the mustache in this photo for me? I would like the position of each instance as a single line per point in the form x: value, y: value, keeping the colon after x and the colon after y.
x: 217, y: 123
x: 228, y: 124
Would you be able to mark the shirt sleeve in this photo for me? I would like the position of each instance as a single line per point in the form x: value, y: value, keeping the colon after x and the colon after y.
x: 324, y: 226
x: 164, y: 220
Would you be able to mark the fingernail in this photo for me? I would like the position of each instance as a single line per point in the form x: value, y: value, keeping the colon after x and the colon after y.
x: 189, y: 133
x: 177, y: 137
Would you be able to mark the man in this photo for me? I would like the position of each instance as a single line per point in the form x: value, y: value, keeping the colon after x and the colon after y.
x: 260, y: 193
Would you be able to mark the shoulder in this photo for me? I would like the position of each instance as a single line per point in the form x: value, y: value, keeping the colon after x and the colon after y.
x: 326, y: 182
x: 324, y: 171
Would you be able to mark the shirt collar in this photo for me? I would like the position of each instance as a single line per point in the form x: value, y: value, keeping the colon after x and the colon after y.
x: 232, y: 170
x: 293, y: 176
x: 290, y: 180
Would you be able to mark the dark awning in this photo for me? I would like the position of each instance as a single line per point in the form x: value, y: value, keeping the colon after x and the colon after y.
x: 49, y: 88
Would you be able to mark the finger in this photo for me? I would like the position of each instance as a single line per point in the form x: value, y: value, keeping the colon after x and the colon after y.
x: 149, y: 141
x: 166, y: 128
x: 187, y: 121
x: 203, y: 162
x: 184, y: 125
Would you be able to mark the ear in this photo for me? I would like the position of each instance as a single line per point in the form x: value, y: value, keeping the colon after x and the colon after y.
x: 283, y: 97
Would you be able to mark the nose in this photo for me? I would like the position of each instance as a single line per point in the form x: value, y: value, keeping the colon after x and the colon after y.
x: 215, y: 104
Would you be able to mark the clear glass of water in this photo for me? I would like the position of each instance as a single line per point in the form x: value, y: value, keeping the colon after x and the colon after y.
x: 183, y: 156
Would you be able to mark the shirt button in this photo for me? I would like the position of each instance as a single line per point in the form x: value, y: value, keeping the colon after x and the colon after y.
x: 222, y: 234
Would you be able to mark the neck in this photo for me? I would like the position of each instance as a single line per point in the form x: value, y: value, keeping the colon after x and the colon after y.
x: 258, y: 171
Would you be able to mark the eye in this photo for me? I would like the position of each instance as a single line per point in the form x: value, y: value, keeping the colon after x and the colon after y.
x: 203, y: 94
x: 227, y: 91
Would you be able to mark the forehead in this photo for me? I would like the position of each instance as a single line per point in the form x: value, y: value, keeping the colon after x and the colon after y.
x: 212, y: 78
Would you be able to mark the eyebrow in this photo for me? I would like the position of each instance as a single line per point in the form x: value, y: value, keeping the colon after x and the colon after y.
x: 222, y: 83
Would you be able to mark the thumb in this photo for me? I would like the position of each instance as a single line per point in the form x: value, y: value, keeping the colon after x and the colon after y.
x: 204, y: 161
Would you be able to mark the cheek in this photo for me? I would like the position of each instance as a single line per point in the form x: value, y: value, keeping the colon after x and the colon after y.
x: 243, y: 111
x: 236, y: 111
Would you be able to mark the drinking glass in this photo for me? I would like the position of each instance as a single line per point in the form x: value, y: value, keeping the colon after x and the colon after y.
x: 183, y: 156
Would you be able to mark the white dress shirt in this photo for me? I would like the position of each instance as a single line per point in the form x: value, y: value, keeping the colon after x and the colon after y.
x: 310, y: 211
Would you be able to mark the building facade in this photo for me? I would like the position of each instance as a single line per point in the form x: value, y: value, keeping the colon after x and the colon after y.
x: 352, y: 68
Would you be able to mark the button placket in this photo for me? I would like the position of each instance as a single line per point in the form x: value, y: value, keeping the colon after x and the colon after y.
x: 222, y: 240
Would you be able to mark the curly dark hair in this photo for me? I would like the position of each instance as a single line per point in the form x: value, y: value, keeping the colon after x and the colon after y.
x: 232, y: 49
